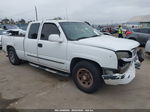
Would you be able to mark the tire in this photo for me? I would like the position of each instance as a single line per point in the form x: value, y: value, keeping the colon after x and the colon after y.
x: 13, y: 58
x: 87, y: 76
x: 141, y: 56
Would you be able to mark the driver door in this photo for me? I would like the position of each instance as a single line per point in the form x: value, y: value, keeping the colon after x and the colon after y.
x: 51, y: 54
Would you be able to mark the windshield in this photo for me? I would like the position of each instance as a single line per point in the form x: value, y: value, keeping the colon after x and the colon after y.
x: 78, y: 30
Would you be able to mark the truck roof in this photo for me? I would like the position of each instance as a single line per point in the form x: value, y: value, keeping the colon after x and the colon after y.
x: 56, y: 21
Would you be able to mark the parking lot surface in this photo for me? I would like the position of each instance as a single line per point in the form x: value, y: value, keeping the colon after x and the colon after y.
x: 26, y: 87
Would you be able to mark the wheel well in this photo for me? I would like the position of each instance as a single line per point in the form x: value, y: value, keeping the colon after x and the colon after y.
x: 77, y: 60
x: 8, y: 47
x: 132, y: 38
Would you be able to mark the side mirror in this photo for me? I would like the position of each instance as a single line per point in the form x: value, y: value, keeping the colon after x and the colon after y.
x: 55, y: 38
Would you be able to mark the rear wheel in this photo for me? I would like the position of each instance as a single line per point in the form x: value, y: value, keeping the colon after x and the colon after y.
x: 13, y: 58
x: 87, y: 77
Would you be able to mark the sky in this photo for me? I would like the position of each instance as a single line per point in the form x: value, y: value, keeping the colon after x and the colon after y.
x: 93, y: 11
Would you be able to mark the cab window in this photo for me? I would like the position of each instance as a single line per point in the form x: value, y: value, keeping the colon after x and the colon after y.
x: 33, y: 31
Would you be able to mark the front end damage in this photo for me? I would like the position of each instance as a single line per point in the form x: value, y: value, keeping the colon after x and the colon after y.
x: 126, y: 69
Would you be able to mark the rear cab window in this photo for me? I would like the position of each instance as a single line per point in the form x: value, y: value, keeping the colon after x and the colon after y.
x: 33, y: 31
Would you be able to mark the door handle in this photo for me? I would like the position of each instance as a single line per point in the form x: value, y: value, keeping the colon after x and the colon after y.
x: 40, y: 45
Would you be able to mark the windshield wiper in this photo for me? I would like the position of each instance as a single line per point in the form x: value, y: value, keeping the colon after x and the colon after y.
x: 87, y: 37
x: 95, y: 35
x: 82, y: 38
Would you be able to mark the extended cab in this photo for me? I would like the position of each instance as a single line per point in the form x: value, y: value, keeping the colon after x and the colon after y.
x: 74, y: 48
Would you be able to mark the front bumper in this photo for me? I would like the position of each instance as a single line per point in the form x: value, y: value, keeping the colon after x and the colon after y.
x: 129, y: 74
x: 124, y: 78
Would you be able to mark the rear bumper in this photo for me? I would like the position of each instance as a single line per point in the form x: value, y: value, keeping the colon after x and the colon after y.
x: 124, y: 78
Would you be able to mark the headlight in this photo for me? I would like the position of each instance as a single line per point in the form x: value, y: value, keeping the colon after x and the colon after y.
x: 122, y: 65
x: 123, y: 54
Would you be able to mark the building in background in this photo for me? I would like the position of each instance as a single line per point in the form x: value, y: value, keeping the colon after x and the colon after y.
x: 139, y: 21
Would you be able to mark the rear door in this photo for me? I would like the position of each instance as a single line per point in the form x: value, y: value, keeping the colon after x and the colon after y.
x: 52, y: 54
x: 31, y: 43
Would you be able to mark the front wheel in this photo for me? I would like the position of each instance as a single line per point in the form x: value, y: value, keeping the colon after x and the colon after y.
x: 87, y: 76
x: 13, y: 58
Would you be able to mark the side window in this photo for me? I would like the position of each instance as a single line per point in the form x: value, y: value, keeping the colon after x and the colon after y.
x: 137, y: 30
x: 145, y: 30
x: 33, y: 31
x: 48, y: 29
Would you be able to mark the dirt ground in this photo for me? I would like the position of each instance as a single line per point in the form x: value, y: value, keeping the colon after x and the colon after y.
x: 26, y: 87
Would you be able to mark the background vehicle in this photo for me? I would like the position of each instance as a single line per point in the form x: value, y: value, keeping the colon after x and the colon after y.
x: 1, y: 33
x: 109, y: 30
x: 75, y: 49
x: 147, y: 47
x: 15, y: 32
x: 102, y: 33
x: 128, y: 31
x: 107, y: 33
x: 142, y: 35
x: 9, y: 26
x: 23, y: 26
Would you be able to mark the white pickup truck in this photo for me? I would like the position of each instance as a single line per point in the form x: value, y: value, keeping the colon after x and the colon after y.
x: 74, y: 48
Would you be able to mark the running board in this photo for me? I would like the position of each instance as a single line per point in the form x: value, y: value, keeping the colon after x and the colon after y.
x: 50, y: 70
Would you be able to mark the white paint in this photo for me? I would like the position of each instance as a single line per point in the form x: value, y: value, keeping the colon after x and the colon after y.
x: 147, y: 47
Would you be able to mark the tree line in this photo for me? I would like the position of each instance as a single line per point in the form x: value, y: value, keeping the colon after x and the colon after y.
x: 11, y: 21
x: 21, y: 21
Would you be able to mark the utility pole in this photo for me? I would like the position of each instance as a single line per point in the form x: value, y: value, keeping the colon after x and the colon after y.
x: 67, y: 14
x: 36, y: 13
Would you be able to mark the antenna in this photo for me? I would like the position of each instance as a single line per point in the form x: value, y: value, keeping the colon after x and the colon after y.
x: 36, y: 13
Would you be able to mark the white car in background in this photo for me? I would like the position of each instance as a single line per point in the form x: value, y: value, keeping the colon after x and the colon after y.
x: 147, y: 47
x: 1, y: 33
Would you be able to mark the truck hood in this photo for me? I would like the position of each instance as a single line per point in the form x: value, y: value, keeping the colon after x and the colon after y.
x: 109, y: 42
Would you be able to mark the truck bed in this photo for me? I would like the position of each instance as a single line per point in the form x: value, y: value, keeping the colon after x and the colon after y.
x: 15, y: 41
